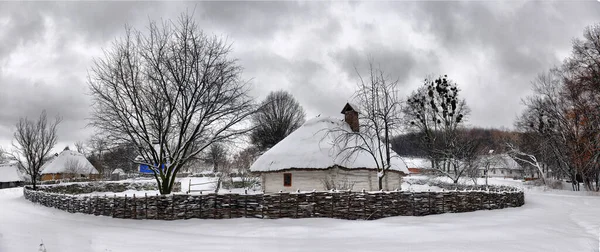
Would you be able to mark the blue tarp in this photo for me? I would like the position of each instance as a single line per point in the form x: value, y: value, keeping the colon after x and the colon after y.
x: 145, y: 169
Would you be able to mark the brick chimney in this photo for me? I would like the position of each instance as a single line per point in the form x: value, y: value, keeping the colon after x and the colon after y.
x: 351, y: 116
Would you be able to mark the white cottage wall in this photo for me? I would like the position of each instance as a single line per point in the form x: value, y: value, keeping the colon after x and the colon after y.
x: 308, y: 180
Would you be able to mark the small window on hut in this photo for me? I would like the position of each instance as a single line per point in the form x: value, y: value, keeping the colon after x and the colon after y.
x: 287, y: 179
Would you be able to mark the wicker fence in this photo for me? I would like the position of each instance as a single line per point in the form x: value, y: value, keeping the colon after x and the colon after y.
x: 339, y: 205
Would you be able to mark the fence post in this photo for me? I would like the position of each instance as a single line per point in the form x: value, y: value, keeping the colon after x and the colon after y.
x: 114, y: 205
x: 332, y: 204
x: 280, y: 206
x: 245, y: 204
x: 229, y: 199
x: 349, y: 204
x: 200, y: 206
x: 262, y: 209
x: 297, y: 205
x: 146, y: 204
x: 124, y: 206
x: 187, y: 201
x: 134, y: 207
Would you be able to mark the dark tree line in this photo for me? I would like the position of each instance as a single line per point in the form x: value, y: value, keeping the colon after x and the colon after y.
x: 495, y: 139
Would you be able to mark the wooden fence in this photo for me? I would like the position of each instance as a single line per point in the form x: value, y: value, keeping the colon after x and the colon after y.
x: 339, y: 205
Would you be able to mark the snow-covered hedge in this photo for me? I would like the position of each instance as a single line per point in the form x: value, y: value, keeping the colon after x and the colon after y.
x: 460, y: 187
x: 103, y: 186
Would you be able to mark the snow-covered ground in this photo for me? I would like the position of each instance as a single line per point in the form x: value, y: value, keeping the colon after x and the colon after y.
x: 549, y: 221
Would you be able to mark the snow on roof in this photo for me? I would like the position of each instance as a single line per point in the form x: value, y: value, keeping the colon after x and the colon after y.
x: 415, y: 162
x: 350, y: 105
x: 10, y: 173
x: 312, y: 147
x: 69, y: 161
x: 501, y: 161
x: 118, y: 171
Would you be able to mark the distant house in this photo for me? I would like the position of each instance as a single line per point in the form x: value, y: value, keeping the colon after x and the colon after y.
x: 10, y: 176
x: 500, y: 165
x: 308, y: 160
x: 417, y: 165
x: 68, y: 165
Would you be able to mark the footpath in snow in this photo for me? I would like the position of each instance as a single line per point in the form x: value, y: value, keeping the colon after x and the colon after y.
x: 555, y: 221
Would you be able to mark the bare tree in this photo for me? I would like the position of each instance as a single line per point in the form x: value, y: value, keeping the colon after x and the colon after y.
x: 3, y: 156
x: 216, y: 155
x: 437, y: 112
x: 279, y: 115
x: 172, y: 92
x: 32, y: 143
x: 529, y: 159
x: 242, y: 162
x: 380, y: 108
x: 460, y: 159
x: 564, y: 112
x: 80, y: 146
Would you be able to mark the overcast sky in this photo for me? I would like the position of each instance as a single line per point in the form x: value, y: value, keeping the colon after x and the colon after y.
x: 491, y: 49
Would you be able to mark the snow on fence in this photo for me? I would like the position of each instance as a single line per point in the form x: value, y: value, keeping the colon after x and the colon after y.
x: 339, y: 205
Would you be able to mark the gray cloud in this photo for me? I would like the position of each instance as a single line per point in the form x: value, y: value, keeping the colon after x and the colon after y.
x: 491, y: 49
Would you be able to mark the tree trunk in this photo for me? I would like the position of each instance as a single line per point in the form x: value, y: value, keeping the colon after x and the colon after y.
x: 380, y: 182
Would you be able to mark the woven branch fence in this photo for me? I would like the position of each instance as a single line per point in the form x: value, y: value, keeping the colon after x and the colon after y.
x: 339, y: 205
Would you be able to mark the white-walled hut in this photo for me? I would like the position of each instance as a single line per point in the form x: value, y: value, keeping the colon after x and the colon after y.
x: 500, y: 165
x: 68, y: 165
x: 309, y: 159
x: 10, y: 176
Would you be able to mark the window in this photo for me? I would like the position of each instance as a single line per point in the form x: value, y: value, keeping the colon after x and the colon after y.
x: 287, y: 179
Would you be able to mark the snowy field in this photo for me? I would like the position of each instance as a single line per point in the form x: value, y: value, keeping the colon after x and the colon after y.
x: 549, y: 221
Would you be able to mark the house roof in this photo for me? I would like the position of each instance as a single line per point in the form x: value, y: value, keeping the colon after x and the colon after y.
x: 350, y: 106
x: 69, y: 161
x: 312, y: 146
x: 502, y: 161
x: 118, y: 171
x: 10, y: 173
x: 415, y: 162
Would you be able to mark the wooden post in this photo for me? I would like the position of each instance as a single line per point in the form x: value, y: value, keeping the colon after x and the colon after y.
x: 172, y: 207
x: 332, y: 205
x: 146, y: 204
x: 200, y: 206
x: 215, y: 206
x: 245, y: 204
x: 280, y: 206
x: 262, y: 209
x: 134, y: 207
x: 297, y: 203
x: 364, y: 205
x: 124, y: 206
x: 349, y: 202
x: 114, y: 205
x: 104, y: 205
x: 229, y: 198
x: 187, y: 199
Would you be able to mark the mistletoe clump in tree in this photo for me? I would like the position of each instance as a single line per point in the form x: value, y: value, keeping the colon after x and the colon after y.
x: 436, y: 112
